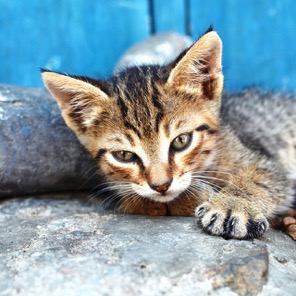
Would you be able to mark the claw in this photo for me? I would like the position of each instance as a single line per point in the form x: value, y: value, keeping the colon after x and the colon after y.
x: 209, y: 227
x: 256, y: 229
x: 200, y: 212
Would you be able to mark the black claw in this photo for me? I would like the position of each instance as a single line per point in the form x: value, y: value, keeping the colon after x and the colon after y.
x: 231, y: 224
x: 226, y: 236
x: 255, y: 229
x: 208, y: 228
x: 213, y: 220
x: 227, y: 226
x: 200, y: 212
x: 198, y: 222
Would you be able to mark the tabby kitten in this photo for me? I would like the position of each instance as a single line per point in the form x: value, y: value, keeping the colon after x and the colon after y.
x: 157, y: 136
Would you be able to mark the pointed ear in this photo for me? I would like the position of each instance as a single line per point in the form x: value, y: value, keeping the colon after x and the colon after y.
x: 80, y: 101
x: 200, y: 69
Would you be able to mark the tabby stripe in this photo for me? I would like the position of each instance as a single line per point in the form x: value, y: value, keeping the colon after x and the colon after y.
x: 202, y: 128
x: 146, y: 113
x: 130, y: 139
x: 212, y: 132
x: 166, y: 128
x: 190, y: 157
x: 123, y: 108
x: 259, y: 184
x: 125, y: 173
x: 180, y: 123
x: 205, y: 127
x: 155, y: 101
x: 99, y: 155
x: 206, y: 152
x: 128, y: 125
x: 158, y: 119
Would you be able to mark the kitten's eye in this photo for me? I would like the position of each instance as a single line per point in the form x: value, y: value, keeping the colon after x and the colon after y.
x: 125, y: 156
x: 181, y: 142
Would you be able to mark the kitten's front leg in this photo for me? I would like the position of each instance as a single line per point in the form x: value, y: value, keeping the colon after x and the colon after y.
x: 242, y: 208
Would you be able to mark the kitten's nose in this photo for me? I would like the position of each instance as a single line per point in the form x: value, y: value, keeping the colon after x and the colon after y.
x: 161, y: 188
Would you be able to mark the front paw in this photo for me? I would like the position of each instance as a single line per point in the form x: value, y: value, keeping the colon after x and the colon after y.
x: 229, y: 222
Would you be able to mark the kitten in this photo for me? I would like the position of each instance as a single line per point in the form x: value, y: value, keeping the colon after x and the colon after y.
x: 160, y: 138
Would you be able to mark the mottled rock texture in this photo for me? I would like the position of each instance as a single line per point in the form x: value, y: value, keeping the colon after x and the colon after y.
x: 38, y: 153
x: 63, y: 245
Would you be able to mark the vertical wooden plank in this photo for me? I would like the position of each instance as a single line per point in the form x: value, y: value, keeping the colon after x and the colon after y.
x: 169, y: 16
x: 259, y: 40
x: 73, y: 36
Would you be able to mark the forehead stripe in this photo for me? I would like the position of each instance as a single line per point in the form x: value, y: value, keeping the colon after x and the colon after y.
x: 130, y: 139
x: 124, y: 112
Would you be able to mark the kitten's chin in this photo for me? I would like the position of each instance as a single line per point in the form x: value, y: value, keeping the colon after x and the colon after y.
x: 176, y: 189
x: 163, y: 198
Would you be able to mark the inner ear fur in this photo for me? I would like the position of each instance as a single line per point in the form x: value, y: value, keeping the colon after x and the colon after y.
x: 200, y: 68
x: 80, y: 101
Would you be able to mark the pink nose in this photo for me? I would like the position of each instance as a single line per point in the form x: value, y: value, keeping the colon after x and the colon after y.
x: 163, y: 187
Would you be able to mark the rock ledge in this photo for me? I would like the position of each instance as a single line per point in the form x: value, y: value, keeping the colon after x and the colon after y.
x: 67, y: 245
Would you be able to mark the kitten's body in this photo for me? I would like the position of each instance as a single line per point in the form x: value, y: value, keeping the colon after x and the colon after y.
x: 159, y: 137
x: 266, y: 123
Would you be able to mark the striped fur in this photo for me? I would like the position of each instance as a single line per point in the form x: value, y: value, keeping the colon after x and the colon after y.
x: 157, y: 136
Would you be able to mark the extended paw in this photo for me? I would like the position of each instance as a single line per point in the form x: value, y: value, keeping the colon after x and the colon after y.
x: 230, y: 223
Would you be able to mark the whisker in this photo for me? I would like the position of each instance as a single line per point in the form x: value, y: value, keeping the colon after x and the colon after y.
x: 89, y: 178
x: 128, y: 200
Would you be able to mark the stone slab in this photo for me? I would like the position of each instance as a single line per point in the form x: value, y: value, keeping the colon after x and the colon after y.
x: 71, y: 245
x: 38, y: 153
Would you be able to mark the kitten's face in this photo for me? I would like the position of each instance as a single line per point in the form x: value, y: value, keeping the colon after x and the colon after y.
x: 154, y: 147
x: 149, y: 128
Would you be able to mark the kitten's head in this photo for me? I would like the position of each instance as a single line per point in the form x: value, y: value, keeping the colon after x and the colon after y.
x: 149, y: 128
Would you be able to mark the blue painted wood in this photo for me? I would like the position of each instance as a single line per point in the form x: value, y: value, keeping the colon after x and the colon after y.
x: 259, y: 40
x: 88, y: 37
x: 169, y: 16
x: 73, y: 36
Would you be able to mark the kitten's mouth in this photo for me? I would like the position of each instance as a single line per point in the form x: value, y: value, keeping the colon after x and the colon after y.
x: 177, y: 187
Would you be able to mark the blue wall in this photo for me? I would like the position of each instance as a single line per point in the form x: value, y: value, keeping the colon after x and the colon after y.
x: 87, y: 37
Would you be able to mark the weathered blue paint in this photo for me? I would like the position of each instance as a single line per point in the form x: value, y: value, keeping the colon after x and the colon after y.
x: 169, y: 16
x: 73, y: 36
x: 258, y: 37
x: 88, y: 37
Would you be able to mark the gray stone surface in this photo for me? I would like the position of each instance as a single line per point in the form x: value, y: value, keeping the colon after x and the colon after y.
x: 69, y: 245
x: 38, y: 153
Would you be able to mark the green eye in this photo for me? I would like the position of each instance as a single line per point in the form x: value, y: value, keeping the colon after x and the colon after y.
x: 181, y: 142
x: 125, y: 156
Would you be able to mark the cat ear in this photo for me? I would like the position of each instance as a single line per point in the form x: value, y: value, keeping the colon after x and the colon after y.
x: 199, y: 68
x: 80, y: 101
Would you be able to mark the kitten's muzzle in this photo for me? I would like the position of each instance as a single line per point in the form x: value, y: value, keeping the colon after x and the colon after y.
x: 162, y: 188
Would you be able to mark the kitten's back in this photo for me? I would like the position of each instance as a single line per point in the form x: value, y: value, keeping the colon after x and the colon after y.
x: 264, y: 122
